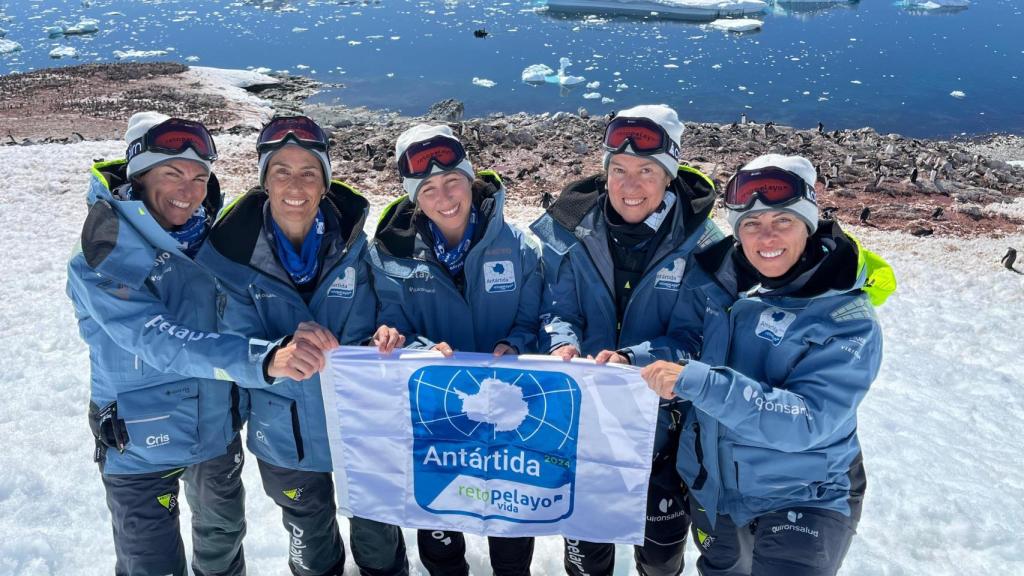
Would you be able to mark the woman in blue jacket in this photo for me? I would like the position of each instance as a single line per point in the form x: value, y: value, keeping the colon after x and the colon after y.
x: 617, y: 246
x: 289, y: 251
x: 451, y: 274
x: 163, y: 406
x: 785, y: 344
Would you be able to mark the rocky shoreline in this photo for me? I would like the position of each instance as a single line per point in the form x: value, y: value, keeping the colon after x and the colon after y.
x: 922, y: 187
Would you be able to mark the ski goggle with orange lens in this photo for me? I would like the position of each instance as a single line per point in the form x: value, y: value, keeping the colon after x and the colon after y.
x: 300, y: 129
x: 772, y: 186
x: 420, y: 158
x: 645, y: 137
x: 175, y: 136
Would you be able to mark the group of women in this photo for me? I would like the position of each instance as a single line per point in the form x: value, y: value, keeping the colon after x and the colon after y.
x: 201, y: 319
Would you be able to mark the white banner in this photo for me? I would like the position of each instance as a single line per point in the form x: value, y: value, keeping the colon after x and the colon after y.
x: 514, y: 446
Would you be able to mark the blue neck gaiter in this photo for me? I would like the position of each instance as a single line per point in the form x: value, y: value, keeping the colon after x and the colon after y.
x: 453, y: 258
x: 302, y: 267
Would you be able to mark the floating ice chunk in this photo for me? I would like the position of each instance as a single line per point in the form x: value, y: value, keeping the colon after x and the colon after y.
x: 124, y: 54
x: 937, y: 4
x: 565, y: 79
x: 84, y: 26
x: 64, y: 51
x: 192, y: 59
x: 54, y: 31
x: 716, y: 67
x: 958, y: 94
x: 607, y: 100
x: 537, y: 73
x: 262, y: 70
x: 593, y: 85
x: 858, y: 82
x: 622, y: 86
x: 484, y: 82
x: 354, y: 42
x: 3, y: 32
x: 670, y: 66
x: 592, y: 95
x: 298, y: 29
x: 302, y: 67
x: 736, y: 24
x: 8, y: 46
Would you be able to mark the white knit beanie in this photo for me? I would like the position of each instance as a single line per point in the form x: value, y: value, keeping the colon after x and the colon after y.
x: 419, y: 133
x: 138, y: 125
x: 805, y: 208
x: 663, y: 116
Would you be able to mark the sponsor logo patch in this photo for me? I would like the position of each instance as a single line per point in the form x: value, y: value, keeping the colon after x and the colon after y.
x: 499, y: 276
x: 343, y: 286
x: 773, y: 324
x: 671, y: 276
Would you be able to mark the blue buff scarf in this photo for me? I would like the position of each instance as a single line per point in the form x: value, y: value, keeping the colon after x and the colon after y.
x: 191, y: 234
x: 453, y: 258
x: 301, y: 267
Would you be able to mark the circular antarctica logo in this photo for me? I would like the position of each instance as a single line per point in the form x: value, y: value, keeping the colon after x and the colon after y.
x: 495, y: 443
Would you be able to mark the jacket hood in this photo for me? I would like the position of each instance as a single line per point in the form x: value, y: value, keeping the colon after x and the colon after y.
x: 846, y: 266
x: 399, y: 223
x: 239, y: 226
x: 694, y: 190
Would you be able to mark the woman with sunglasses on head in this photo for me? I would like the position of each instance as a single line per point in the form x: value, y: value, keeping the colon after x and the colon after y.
x: 292, y: 251
x: 451, y: 274
x: 784, y: 345
x: 616, y: 248
x: 163, y: 407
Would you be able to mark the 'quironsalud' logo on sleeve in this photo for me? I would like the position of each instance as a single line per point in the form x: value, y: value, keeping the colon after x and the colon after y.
x: 494, y: 443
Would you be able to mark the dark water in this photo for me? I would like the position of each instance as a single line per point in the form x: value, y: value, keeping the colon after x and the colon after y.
x: 870, y: 63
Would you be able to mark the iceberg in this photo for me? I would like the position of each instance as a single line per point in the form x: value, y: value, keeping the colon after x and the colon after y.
x: 958, y: 94
x: 537, y: 73
x: 565, y: 79
x: 937, y: 4
x: 736, y: 24
x: 84, y: 26
x: 54, y: 31
x: 123, y: 54
x: 484, y: 82
x: 64, y: 51
x: 8, y: 46
x: 703, y: 10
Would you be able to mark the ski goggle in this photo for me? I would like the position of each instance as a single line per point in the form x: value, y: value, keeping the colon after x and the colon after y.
x: 420, y: 158
x: 175, y: 136
x: 645, y: 137
x: 772, y: 186
x: 300, y: 129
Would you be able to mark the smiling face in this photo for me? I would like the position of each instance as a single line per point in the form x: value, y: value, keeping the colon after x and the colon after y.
x: 636, y: 186
x: 295, y: 184
x: 772, y: 241
x: 447, y: 200
x: 174, y: 190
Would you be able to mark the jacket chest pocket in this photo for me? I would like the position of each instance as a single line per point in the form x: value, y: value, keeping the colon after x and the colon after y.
x: 162, y: 421
x: 274, y: 433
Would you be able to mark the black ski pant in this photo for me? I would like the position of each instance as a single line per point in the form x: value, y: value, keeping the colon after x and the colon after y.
x: 789, y: 542
x: 443, y: 553
x: 667, y: 515
x: 144, y: 512
x: 309, y: 515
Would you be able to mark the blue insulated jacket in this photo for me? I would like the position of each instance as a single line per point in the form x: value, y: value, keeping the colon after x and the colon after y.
x: 148, y: 314
x: 287, y: 425
x: 775, y: 391
x: 418, y: 296
x: 578, y: 307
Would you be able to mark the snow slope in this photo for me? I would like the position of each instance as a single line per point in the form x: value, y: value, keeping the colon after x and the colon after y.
x: 941, y: 428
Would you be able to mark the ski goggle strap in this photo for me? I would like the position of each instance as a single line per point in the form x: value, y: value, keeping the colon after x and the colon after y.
x: 419, y: 158
x: 645, y: 137
x: 174, y: 136
x: 772, y: 186
x: 301, y: 129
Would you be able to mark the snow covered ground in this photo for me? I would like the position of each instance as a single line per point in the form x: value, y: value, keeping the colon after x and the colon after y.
x: 941, y: 428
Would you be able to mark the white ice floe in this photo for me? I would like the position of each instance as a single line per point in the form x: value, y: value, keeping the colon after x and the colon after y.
x: 8, y: 46
x: 537, y: 73
x: 192, y: 59
x: 958, y: 94
x: 54, y: 31
x: 297, y: 29
x: 592, y: 95
x: 593, y: 85
x: 937, y: 4
x: 126, y: 54
x: 682, y: 9
x: 566, y: 79
x: 736, y: 24
x: 484, y: 82
x: 84, y: 26
x: 64, y: 52
x: 607, y: 100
